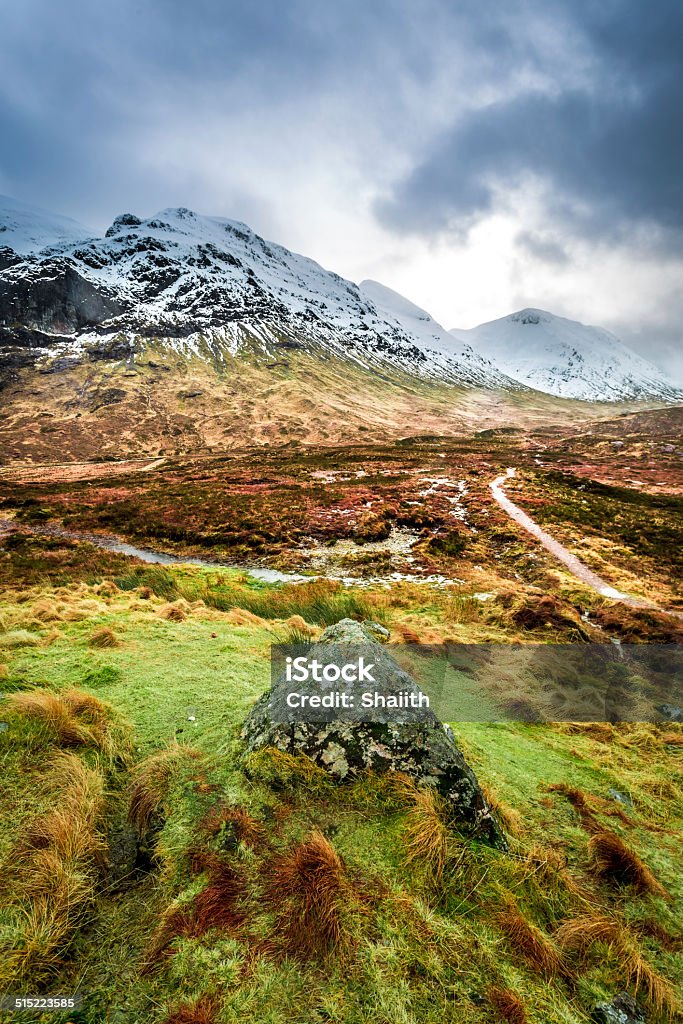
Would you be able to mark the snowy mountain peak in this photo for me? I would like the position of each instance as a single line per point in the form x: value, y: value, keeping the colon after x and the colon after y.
x: 566, y: 358
x: 199, y: 284
x: 25, y: 229
x: 190, y: 280
x: 532, y: 316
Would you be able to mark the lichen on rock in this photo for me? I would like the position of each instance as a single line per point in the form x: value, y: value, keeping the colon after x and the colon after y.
x: 424, y: 749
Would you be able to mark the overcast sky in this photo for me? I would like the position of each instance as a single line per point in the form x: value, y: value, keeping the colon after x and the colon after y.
x: 476, y: 155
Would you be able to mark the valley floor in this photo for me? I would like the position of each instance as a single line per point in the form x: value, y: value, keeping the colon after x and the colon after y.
x: 152, y: 867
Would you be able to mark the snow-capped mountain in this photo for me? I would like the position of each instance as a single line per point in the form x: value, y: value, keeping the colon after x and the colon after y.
x: 205, y: 284
x: 190, y: 279
x: 565, y: 358
x: 420, y: 324
x: 25, y: 229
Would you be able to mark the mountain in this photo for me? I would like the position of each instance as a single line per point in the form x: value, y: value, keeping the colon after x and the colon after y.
x: 565, y: 358
x: 422, y: 326
x: 24, y: 229
x: 182, y: 333
x: 195, y: 281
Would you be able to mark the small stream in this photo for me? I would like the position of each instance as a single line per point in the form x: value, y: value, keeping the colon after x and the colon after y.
x: 110, y: 543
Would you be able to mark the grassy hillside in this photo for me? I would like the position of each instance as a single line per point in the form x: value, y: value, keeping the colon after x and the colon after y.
x: 153, y: 868
x: 165, y: 402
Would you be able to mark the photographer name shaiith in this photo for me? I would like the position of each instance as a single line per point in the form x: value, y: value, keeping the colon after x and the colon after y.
x: 367, y: 700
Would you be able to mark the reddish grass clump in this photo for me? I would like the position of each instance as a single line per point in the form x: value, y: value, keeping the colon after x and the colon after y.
x: 528, y: 940
x: 507, y: 1004
x: 580, y: 934
x: 613, y: 859
x: 220, y: 905
x: 236, y: 825
x: 311, y: 891
x: 202, y: 1012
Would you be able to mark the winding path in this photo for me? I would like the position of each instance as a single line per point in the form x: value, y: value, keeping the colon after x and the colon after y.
x: 557, y: 550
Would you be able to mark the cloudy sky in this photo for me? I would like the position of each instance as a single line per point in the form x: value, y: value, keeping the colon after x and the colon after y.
x: 476, y: 155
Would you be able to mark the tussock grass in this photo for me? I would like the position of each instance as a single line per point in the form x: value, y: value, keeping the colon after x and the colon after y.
x: 550, y: 866
x: 234, y: 825
x: 151, y: 782
x: 507, y: 1004
x: 175, y: 612
x: 510, y: 818
x: 203, y: 1011
x: 528, y: 940
x: 19, y: 638
x: 312, y: 895
x: 51, y: 873
x: 427, y: 835
x: 220, y: 905
x: 242, y: 617
x: 613, y: 859
x: 73, y: 718
x: 322, y: 602
x: 103, y: 637
x: 582, y: 935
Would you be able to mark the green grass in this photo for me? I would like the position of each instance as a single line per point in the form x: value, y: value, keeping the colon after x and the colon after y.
x: 424, y: 949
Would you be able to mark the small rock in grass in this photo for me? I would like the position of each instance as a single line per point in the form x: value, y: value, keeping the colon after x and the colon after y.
x: 622, y: 1010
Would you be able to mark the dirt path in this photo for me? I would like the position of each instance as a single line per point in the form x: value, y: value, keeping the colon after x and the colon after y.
x: 557, y: 550
x: 68, y: 472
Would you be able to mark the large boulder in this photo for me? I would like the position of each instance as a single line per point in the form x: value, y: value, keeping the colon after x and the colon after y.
x: 423, y: 748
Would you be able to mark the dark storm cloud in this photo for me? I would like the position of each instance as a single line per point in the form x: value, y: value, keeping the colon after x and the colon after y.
x: 608, y: 151
x: 81, y: 81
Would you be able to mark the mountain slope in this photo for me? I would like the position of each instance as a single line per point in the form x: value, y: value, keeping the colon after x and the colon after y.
x: 421, y: 325
x: 190, y: 280
x: 566, y: 358
x: 25, y: 229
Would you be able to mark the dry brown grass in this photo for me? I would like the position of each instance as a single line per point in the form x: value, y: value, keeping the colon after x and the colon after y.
x: 579, y: 936
x: 312, y: 895
x: 298, y: 623
x: 613, y: 859
x: 408, y: 635
x: 507, y: 1004
x: 177, y: 611
x: 427, y: 834
x: 73, y: 718
x: 550, y: 865
x: 51, y: 872
x: 242, y: 617
x: 104, y: 637
x: 202, y: 1012
x: 510, y: 818
x: 528, y: 940
x: 236, y: 824
x: 151, y: 781
x: 220, y: 905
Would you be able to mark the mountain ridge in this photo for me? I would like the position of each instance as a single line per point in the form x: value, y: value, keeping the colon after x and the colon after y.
x: 199, y: 283
x: 181, y: 276
x: 564, y: 357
